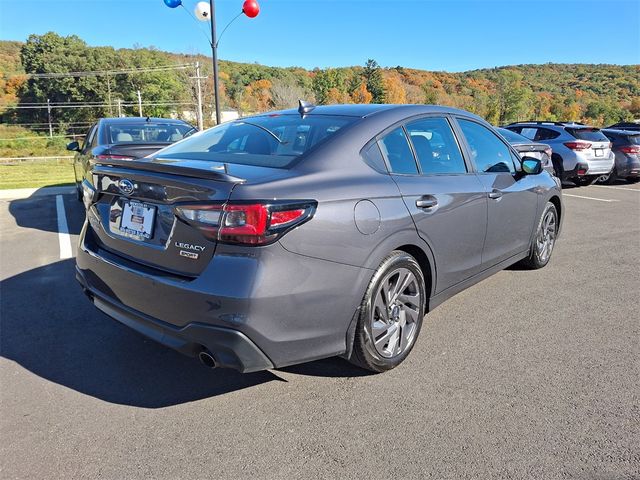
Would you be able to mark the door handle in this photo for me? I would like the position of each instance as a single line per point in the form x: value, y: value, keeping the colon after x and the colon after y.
x: 495, y: 194
x: 427, y: 201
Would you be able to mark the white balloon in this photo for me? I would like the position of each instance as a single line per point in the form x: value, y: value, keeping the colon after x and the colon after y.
x: 203, y: 12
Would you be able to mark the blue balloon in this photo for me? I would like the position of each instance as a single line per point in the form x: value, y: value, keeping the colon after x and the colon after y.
x: 173, y: 3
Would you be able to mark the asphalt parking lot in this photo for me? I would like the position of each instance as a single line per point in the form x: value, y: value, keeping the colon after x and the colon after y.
x: 525, y: 375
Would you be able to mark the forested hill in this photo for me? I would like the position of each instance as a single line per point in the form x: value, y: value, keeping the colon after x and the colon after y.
x: 596, y: 94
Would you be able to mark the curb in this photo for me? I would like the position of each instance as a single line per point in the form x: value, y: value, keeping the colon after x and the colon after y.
x: 21, y: 193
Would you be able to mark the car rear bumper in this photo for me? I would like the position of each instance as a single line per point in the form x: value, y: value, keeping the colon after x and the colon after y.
x: 628, y: 168
x: 230, y: 348
x: 253, y: 308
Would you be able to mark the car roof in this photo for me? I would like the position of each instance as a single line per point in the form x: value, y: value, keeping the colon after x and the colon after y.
x: 618, y: 131
x: 365, y: 110
x: 140, y: 120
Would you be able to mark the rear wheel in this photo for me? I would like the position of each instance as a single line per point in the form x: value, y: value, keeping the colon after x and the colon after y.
x: 544, y: 240
x: 609, y: 178
x: 391, y: 314
x: 585, y: 181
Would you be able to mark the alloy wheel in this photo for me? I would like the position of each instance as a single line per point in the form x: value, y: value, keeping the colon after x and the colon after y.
x: 395, y: 313
x: 546, y: 236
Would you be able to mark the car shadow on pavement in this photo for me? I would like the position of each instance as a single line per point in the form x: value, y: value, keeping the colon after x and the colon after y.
x: 39, y: 212
x: 50, y: 328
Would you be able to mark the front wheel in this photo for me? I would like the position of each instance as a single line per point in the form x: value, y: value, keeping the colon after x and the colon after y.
x: 544, y: 240
x: 391, y: 314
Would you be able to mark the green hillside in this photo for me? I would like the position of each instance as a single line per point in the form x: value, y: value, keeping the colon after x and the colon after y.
x: 596, y: 94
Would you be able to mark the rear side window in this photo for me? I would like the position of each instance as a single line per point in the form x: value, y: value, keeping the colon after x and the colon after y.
x: 545, y: 134
x: 489, y: 153
x: 395, y: 148
x: 435, y: 146
x: 590, y: 134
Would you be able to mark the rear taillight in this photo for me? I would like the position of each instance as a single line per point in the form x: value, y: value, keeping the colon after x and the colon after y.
x: 632, y: 149
x: 578, y: 145
x: 114, y: 157
x: 247, y: 223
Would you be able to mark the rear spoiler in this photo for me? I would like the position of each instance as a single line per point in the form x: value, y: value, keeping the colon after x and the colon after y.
x: 122, y: 167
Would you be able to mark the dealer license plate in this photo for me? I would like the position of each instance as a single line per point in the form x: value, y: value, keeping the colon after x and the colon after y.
x: 138, y: 219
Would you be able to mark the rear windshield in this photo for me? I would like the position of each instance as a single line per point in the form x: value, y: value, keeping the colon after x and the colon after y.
x: 268, y: 141
x: 147, y: 132
x: 634, y: 139
x: 513, y: 137
x: 591, y: 134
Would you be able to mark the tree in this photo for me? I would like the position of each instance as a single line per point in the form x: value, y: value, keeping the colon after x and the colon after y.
x: 286, y: 95
x: 374, y: 81
x: 394, y: 89
x: 361, y: 95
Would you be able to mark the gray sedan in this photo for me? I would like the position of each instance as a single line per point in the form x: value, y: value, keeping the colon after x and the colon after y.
x: 302, y: 234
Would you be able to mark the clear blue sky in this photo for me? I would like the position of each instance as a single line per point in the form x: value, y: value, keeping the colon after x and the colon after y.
x: 435, y: 35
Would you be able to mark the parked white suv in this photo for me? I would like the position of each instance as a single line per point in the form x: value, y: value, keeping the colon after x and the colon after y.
x: 581, y: 153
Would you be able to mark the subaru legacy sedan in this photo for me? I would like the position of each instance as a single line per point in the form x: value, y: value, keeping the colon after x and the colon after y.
x: 302, y: 234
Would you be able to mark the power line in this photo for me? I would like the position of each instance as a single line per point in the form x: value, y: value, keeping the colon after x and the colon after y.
x: 100, y: 73
x: 101, y: 105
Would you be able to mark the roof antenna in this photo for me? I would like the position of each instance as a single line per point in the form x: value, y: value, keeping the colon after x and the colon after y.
x: 305, y: 107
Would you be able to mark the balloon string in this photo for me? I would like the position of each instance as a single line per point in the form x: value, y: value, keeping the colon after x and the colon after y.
x: 206, y: 35
x: 225, y: 28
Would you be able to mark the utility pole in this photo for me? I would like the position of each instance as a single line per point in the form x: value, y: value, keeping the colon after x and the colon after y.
x: 140, y: 102
x: 214, y: 51
x: 119, y: 107
x: 49, y: 114
x: 109, y: 95
x: 199, y: 92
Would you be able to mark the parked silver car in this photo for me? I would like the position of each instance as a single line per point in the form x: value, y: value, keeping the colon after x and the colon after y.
x: 529, y: 148
x: 581, y: 153
x: 302, y: 234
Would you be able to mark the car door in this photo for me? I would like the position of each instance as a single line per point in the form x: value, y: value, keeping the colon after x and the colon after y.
x: 446, y: 200
x: 512, y: 197
x: 81, y: 161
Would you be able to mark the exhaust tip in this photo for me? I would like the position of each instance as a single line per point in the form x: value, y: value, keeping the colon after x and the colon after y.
x: 207, y: 359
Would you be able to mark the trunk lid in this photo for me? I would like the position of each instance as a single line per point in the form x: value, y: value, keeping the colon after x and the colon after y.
x: 134, y: 212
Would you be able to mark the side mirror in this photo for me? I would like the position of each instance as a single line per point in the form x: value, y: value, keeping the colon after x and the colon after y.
x: 73, y: 147
x: 531, y: 166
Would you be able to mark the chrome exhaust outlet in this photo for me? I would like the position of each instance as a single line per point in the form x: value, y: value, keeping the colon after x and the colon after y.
x: 207, y: 359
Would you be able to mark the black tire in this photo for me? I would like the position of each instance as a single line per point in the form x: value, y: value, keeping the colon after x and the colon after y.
x: 558, y: 169
x: 78, y: 192
x: 536, y: 260
x: 609, y: 179
x: 586, y: 181
x: 365, y: 353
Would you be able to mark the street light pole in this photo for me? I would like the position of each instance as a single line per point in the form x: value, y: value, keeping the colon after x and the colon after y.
x: 214, y: 51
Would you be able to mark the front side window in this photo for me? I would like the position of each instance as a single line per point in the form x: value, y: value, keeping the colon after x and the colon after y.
x: 435, y: 146
x: 396, y: 149
x: 489, y: 153
x: 269, y: 140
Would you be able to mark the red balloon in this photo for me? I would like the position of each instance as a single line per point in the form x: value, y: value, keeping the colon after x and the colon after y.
x: 251, y: 8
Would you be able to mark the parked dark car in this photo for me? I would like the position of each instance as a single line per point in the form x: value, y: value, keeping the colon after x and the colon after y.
x: 302, y: 234
x: 626, y: 147
x: 528, y: 148
x: 625, y: 126
x: 124, y: 138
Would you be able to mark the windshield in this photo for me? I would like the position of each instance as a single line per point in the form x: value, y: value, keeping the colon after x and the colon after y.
x: 513, y: 137
x: 268, y: 141
x: 148, y: 132
x: 591, y: 134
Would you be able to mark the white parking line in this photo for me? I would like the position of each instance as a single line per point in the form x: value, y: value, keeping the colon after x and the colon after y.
x: 63, y: 230
x: 617, y: 188
x: 589, y: 198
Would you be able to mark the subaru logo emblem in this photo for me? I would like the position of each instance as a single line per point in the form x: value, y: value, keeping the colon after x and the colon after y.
x: 125, y: 186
